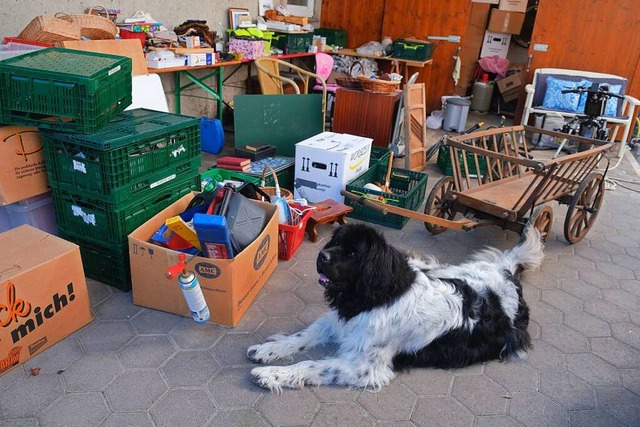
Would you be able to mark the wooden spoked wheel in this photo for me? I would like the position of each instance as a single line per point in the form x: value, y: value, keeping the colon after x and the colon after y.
x: 584, y: 207
x: 437, y: 205
x: 542, y: 220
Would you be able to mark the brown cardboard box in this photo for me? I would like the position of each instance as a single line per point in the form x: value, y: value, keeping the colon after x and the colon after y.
x: 495, y: 44
x: 124, y: 47
x: 43, y: 293
x: 510, y: 86
x: 503, y: 21
x: 22, y: 169
x: 229, y: 285
x: 513, y: 5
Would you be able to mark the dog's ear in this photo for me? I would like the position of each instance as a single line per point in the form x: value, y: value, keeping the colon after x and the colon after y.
x: 387, y: 273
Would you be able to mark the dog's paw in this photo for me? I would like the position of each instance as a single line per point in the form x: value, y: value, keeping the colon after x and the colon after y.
x: 275, y: 378
x: 263, y: 353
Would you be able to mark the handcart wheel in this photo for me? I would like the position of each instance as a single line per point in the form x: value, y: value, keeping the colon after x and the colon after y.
x: 541, y: 219
x: 584, y: 207
x: 437, y: 205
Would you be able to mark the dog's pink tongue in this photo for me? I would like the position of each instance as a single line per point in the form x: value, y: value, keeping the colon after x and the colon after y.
x: 323, y: 278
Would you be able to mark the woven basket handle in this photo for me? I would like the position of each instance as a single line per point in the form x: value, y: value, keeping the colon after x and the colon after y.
x: 98, y: 7
x: 63, y: 16
x: 275, y: 178
x: 353, y: 65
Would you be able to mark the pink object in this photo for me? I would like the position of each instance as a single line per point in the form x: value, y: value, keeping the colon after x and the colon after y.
x: 324, y: 66
x: 250, y: 49
x: 494, y: 64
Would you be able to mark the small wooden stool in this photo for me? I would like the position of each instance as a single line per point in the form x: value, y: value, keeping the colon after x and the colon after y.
x: 326, y: 212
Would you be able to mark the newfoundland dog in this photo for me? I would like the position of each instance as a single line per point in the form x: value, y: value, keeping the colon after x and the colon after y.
x: 392, y: 311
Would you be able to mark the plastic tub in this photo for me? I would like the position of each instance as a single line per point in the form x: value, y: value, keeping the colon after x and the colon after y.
x: 36, y: 211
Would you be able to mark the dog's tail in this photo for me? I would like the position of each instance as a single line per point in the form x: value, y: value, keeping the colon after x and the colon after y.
x: 528, y: 254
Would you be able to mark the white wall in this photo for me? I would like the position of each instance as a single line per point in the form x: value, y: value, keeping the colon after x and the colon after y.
x: 16, y: 14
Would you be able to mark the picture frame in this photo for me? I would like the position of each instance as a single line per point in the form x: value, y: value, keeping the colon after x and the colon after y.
x: 234, y: 16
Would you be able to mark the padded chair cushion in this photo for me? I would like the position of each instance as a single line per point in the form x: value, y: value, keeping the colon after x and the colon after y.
x: 554, y: 99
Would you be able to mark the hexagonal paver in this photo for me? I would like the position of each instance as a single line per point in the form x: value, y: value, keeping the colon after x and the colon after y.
x: 622, y: 298
x: 631, y: 379
x: 146, y: 386
x: 92, y: 372
x: 232, y: 387
x: 149, y: 351
x: 56, y: 358
x: 21, y: 422
x: 592, y: 418
x: 592, y: 369
x: 137, y: 419
x: 282, y: 281
x: 628, y: 333
x: 615, y: 352
x: 189, y: 335
x: 593, y: 254
x: 441, y: 412
x: 598, y: 279
x: 562, y: 300
x: 184, y: 408
x: 278, y: 325
x: 428, y: 382
x: 306, y: 271
x: 606, y: 311
x: 580, y: 289
x: 105, y: 336
x: 98, y: 292
x: 117, y: 307
x: 251, y: 320
x: 77, y: 409
x: 336, y: 394
x: 346, y: 414
x: 631, y: 286
x: 280, y: 304
x: 30, y: 395
x: 190, y: 368
x: 154, y: 321
x: 614, y: 270
x: 292, y: 407
x: 232, y: 349
x: 393, y: 402
x: 310, y: 293
x: 568, y: 390
x: 564, y: 339
x: 312, y: 312
x: 535, y: 409
x: 588, y: 325
x: 543, y: 313
x: 513, y: 376
x: 480, y: 394
x: 496, y: 421
x: 559, y: 270
x: 238, y: 417
x: 620, y: 403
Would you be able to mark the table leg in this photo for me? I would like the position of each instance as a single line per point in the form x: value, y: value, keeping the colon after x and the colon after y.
x: 220, y: 79
x: 176, y: 91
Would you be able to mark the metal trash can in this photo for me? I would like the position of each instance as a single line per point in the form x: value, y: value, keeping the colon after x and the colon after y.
x: 455, y: 114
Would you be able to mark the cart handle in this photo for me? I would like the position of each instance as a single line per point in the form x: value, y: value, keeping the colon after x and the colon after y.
x: 460, y: 224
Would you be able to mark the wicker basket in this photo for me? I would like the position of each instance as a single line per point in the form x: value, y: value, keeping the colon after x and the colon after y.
x: 274, y: 191
x: 96, y: 27
x: 51, y: 29
x: 377, y: 85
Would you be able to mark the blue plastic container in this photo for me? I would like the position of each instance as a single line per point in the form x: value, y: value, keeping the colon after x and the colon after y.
x: 211, y: 135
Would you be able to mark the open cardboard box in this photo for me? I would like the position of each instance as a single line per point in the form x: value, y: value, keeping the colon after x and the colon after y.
x: 229, y: 285
x: 43, y: 293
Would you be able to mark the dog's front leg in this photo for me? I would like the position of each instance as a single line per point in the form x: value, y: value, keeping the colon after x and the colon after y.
x: 353, y: 373
x: 318, y: 333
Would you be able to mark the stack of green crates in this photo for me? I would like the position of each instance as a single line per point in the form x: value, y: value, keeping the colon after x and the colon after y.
x: 108, y: 183
x: 63, y: 89
x: 444, y: 162
x: 379, y: 155
x: 292, y: 42
x: 334, y: 37
x: 407, y: 191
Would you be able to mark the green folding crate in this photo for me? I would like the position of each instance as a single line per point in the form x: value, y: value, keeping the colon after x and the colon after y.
x: 444, y: 162
x: 411, y: 49
x: 140, y: 151
x: 292, y: 42
x: 408, y: 191
x: 379, y: 155
x: 107, y: 223
x: 334, y: 37
x: 108, y: 264
x: 64, y: 89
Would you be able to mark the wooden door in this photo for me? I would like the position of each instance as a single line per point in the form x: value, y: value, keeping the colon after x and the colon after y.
x: 420, y: 19
x: 590, y: 35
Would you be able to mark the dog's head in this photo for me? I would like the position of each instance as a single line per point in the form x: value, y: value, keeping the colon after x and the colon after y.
x: 360, y: 271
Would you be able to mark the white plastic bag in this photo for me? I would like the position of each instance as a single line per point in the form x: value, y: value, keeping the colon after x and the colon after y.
x: 371, y: 48
x: 434, y: 121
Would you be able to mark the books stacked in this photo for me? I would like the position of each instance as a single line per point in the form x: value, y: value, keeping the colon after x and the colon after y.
x: 234, y: 163
x: 256, y: 152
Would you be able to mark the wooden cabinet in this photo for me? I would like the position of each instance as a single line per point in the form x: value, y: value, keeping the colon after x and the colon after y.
x: 366, y: 114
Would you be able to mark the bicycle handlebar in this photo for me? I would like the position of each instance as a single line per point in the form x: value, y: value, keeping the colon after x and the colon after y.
x: 581, y: 90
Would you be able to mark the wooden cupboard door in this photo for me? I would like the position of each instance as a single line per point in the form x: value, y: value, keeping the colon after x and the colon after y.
x: 419, y: 19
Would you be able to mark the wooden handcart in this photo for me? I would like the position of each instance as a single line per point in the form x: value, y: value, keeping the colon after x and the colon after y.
x: 495, y: 182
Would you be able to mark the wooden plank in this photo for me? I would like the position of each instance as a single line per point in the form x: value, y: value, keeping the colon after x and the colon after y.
x: 415, y: 127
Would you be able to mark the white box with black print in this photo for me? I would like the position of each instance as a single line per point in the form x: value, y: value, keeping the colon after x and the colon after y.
x: 326, y: 162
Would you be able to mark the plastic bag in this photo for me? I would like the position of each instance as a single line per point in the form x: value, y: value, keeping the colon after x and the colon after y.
x: 371, y: 48
x: 434, y: 121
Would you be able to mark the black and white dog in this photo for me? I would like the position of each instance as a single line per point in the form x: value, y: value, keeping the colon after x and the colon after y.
x: 391, y: 311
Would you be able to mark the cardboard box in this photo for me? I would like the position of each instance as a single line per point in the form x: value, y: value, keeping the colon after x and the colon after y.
x: 495, y: 44
x: 503, y: 21
x: 510, y: 86
x: 196, y: 56
x: 229, y: 285
x: 22, y: 170
x: 513, y: 5
x: 123, y: 47
x: 326, y: 162
x: 43, y: 294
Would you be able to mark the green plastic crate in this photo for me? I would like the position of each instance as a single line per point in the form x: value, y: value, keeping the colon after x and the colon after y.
x: 444, y: 162
x: 106, y: 264
x: 140, y: 151
x: 106, y: 223
x: 408, y: 191
x: 416, y: 50
x: 64, y: 89
x: 379, y: 155
x: 285, y: 176
x: 334, y: 37
x: 292, y: 43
